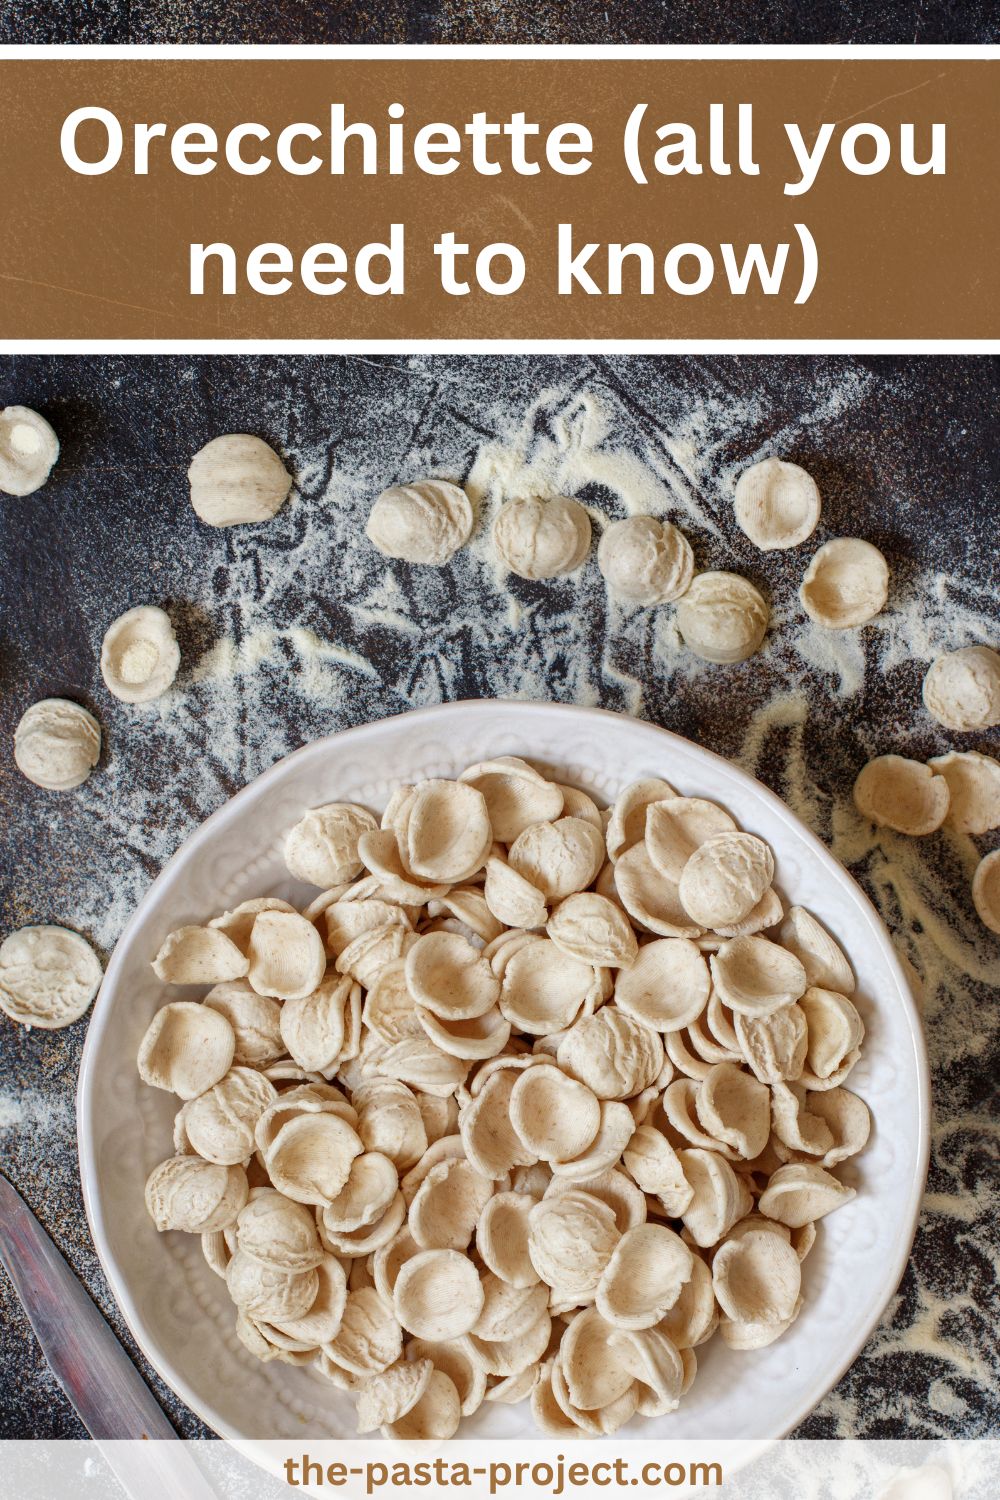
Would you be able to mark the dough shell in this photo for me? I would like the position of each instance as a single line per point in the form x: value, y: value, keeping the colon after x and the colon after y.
x: 646, y: 561
x: 777, y: 504
x: 845, y: 584
x: 28, y: 450
x: 722, y: 617
x: 48, y: 976
x: 986, y: 891
x: 902, y: 794
x: 140, y: 655
x: 539, y: 538
x: 57, y: 744
x: 962, y: 689
x: 236, y: 480
x: 421, y: 523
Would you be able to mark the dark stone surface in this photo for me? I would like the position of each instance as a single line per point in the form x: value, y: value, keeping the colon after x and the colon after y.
x: 701, y: 22
x: 905, y: 452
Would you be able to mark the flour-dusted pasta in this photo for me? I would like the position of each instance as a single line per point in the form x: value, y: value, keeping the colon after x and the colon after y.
x: 555, y: 1117
x: 677, y: 827
x: 755, y: 977
x: 962, y: 689
x: 902, y: 794
x: 756, y: 1277
x: 560, y: 858
x: 667, y: 986
x: 543, y: 990
x: 834, y: 1032
x: 534, y: 1099
x: 140, y: 655
x: 571, y: 1239
x: 822, y: 958
x: 286, y: 957
x: 516, y: 795
x: 777, y: 504
x: 593, y: 929
x: 443, y: 831
x: 646, y: 561
x: 627, y: 823
x: 387, y: 1398
x: 724, y: 878
x: 187, y: 1049
x: 425, y: 522
x: 48, y: 976
x: 237, y: 480
x: 322, y: 848
x: 219, y: 1123
x: 195, y: 1196
x: 643, y: 1279
x: 722, y: 617
x: 57, y: 744
x: 800, y: 1194
x: 651, y: 900
x: 974, y: 783
x: 539, y: 538
x: 986, y: 891
x: 237, y: 924
x: 28, y: 450
x: 438, y: 1295
x: 845, y: 584
x: 199, y: 955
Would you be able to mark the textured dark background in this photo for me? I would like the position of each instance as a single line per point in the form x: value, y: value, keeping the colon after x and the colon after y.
x: 578, y: 21
x: 905, y: 452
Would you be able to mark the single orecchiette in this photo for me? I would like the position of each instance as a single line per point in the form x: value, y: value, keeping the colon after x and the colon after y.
x: 322, y: 848
x: 974, y: 784
x: 186, y: 1049
x: 986, y: 891
x: 237, y: 479
x: 539, y: 538
x: 140, y: 655
x: 962, y: 689
x: 722, y: 617
x: 57, y: 744
x: 902, y: 794
x: 777, y: 504
x: 421, y: 523
x: 845, y: 584
x: 28, y: 450
x: 645, y: 561
x: 195, y: 1196
x: 48, y: 976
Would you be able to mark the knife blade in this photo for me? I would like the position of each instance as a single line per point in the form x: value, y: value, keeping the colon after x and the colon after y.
x: 107, y: 1392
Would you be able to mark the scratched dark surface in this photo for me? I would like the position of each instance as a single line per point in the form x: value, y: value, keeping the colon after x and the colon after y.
x: 906, y: 454
x: 494, y: 21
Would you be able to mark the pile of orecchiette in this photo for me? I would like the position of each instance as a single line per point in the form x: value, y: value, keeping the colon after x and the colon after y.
x: 523, y: 1105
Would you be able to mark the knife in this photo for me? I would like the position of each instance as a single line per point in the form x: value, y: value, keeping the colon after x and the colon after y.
x: 106, y: 1391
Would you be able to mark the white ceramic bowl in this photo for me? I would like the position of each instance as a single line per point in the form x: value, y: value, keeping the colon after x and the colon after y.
x: 179, y: 1311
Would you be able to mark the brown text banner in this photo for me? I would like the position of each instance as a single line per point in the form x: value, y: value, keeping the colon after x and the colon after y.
x: 501, y: 198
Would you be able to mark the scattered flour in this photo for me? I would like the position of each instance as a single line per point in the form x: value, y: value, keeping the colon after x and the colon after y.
x: 33, y: 1110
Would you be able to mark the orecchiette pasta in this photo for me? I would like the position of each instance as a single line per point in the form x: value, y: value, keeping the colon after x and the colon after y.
x: 845, y: 584
x: 646, y: 561
x: 523, y: 1106
x: 777, y: 504
x: 539, y: 538
x: 28, y: 450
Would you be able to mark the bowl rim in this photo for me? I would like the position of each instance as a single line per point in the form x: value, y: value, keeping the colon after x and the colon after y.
x: 88, y: 1091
